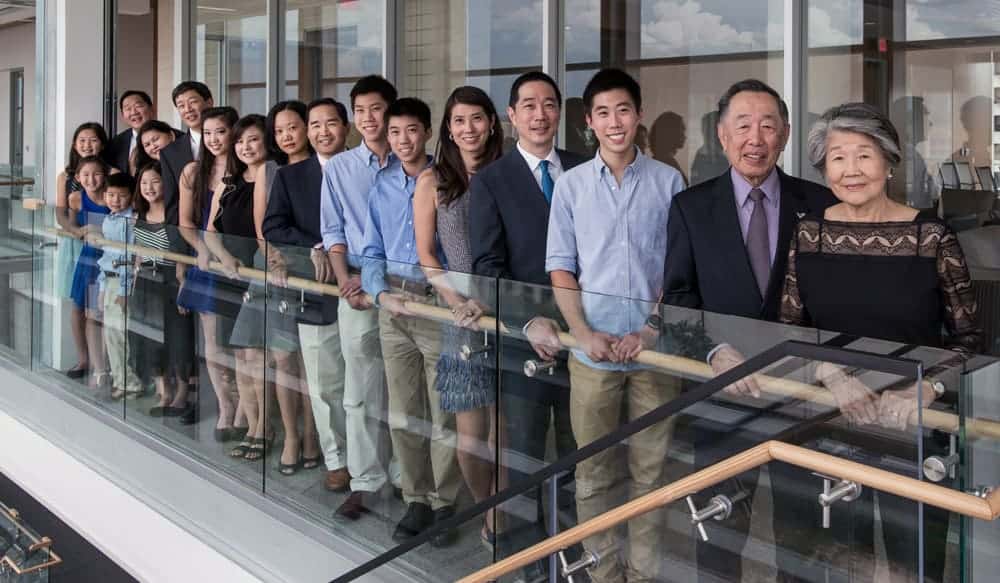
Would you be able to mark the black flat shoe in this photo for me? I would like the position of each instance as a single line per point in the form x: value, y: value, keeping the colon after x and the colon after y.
x: 190, y: 417
x: 448, y: 537
x: 77, y: 372
x: 417, y: 519
x: 174, y: 411
x: 157, y: 411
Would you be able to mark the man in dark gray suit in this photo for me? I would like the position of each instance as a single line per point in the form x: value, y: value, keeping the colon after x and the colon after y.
x: 508, y: 224
x: 190, y: 98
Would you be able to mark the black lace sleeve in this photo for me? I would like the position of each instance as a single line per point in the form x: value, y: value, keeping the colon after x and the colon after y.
x: 792, y: 309
x: 959, y: 300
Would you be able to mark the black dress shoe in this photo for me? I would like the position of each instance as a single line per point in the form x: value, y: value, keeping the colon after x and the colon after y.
x: 448, y: 537
x: 352, y: 508
x: 418, y: 517
x: 189, y: 417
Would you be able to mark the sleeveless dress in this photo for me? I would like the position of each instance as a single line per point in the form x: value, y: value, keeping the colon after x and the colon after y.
x: 67, y: 252
x: 463, y: 385
x: 162, y: 339
x: 198, y: 291
x: 259, y: 323
x: 84, y: 289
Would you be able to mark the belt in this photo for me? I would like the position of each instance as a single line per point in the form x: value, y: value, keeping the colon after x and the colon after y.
x: 420, y: 288
x: 110, y: 274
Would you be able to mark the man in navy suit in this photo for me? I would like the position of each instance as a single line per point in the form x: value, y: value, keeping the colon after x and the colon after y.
x: 190, y: 98
x: 292, y: 223
x: 508, y: 224
x: 727, y: 252
x: 136, y: 108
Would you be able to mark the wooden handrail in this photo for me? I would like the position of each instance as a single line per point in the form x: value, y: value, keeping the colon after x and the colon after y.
x: 984, y: 508
x: 786, y: 388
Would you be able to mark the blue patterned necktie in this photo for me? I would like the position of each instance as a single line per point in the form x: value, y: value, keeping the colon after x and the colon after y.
x: 548, y: 185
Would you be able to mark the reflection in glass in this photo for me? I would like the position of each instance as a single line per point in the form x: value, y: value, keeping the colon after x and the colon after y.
x: 231, y: 52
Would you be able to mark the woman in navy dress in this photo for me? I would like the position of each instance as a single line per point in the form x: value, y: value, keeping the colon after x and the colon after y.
x: 198, y: 286
x: 88, y: 203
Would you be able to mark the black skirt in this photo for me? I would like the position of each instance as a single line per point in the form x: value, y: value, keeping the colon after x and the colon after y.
x: 162, y: 341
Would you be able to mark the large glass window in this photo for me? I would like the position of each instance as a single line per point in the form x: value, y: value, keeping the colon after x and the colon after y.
x: 684, y: 54
x: 329, y: 45
x: 486, y: 43
x: 231, y: 51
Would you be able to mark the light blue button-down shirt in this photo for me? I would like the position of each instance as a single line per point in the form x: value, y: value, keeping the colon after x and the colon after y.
x: 347, y: 180
x: 614, y: 238
x: 117, y: 227
x: 389, y: 235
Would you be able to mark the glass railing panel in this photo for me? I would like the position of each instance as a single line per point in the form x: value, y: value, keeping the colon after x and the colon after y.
x: 192, y: 339
x: 16, y: 255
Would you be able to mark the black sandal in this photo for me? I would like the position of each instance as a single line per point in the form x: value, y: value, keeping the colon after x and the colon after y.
x: 289, y: 469
x: 242, y: 450
x: 309, y: 463
x: 259, y: 447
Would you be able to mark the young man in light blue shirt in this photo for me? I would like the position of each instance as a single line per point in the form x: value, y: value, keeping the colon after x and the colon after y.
x: 347, y: 180
x: 423, y: 435
x: 606, y: 242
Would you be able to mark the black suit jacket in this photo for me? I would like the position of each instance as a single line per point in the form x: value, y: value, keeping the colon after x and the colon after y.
x: 173, y: 159
x: 117, y: 152
x: 292, y: 223
x: 508, y: 227
x: 707, y: 265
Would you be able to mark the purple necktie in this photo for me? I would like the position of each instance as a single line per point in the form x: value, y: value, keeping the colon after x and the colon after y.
x: 758, y: 246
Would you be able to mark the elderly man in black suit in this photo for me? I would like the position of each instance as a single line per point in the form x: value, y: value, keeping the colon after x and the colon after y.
x: 727, y: 253
x: 508, y: 224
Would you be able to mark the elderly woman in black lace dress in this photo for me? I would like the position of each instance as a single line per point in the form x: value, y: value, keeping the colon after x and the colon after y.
x: 873, y: 267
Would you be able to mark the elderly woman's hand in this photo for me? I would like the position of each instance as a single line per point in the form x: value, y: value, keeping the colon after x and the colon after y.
x: 856, y: 401
x: 896, y: 407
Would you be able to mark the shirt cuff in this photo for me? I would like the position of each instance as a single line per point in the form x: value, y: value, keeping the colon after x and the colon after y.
x: 560, y: 264
x: 524, y: 329
x: 329, y: 240
x: 711, y: 353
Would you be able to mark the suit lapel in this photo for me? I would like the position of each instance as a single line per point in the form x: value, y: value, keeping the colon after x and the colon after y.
x: 730, y: 234
x: 793, y: 207
x: 522, y: 176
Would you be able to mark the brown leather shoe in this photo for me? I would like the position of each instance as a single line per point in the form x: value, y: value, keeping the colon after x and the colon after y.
x: 352, y: 508
x: 338, y: 480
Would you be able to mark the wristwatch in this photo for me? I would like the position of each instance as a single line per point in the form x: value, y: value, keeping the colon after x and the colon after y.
x: 655, y: 322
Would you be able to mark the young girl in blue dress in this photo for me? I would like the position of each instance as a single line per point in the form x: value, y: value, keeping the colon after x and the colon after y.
x: 88, y: 204
x: 89, y: 139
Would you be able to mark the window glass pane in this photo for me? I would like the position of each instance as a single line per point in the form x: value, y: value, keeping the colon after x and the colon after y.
x: 486, y: 43
x: 231, y: 51
x: 328, y: 44
x: 685, y: 55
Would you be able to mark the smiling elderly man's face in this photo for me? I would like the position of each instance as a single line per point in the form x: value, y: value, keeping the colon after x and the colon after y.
x: 753, y: 134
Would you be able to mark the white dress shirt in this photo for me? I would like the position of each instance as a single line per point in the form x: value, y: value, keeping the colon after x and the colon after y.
x: 195, y: 144
x: 535, y: 163
x: 133, y: 143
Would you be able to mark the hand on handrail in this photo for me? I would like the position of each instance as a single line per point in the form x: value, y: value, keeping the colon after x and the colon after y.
x: 727, y: 357
x: 466, y: 314
x: 543, y: 335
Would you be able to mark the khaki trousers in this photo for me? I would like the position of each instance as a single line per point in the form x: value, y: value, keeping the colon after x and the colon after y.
x: 423, y: 436
x: 598, y: 399
x: 116, y: 339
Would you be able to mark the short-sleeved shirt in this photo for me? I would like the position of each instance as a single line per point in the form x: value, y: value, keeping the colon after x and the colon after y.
x: 614, y: 238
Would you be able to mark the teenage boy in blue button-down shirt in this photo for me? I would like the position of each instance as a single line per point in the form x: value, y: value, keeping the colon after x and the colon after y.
x: 607, y: 237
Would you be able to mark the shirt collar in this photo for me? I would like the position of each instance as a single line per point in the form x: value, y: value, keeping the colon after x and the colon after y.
x: 771, y: 187
x: 322, y: 160
x: 126, y: 212
x: 635, y: 166
x: 370, y: 158
x: 533, y: 160
x: 195, y: 135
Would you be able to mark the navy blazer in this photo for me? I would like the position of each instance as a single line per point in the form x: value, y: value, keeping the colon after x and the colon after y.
x: 292, y: 220
x: 173, y: 159
x: 509, y: 219
x: 117, y: 152
x: 707, y: 266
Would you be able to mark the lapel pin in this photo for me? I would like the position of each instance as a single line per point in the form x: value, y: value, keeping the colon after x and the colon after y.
x: 800, y: 215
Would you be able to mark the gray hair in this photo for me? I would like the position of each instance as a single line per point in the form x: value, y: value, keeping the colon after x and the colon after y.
x: 858, y: 118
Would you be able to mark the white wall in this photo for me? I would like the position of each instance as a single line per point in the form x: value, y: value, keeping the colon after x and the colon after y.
x: 17, y: 51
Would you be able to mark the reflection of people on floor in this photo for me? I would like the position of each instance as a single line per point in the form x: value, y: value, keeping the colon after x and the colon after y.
x: 667, y: 138
x: 709, y: 160
x: 913, y: 183
x: 579, y: 138
x: 975, y: 117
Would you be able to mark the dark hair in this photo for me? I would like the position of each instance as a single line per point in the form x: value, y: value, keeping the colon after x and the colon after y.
x: 205, y: 158
x: 74, y: 157
x: 142, y: 95
x: 453, y: 177
x: 341, y: 109
x: 234, y: 166
x: 528, y: 78
x: 139, y: 202
x: 120, y: 180
x: 274, y: 150
x: 412, y: 107
x: 374, y: 84
x: 754, y: 86
x: 153, y: 125
x: 608, y: 80
x: 196, y: 86
x: 101, y: 163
